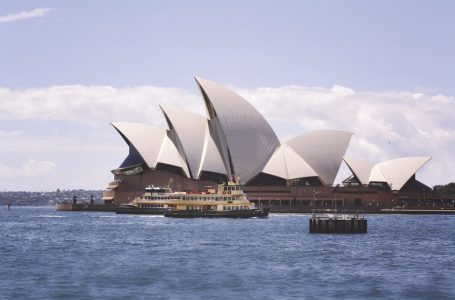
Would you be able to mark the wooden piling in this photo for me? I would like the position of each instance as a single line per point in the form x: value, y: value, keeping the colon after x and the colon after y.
x: 338, y: 226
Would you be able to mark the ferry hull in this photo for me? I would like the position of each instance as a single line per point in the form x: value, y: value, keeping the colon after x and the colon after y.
x: 243, y: 214
x: 140, y: 211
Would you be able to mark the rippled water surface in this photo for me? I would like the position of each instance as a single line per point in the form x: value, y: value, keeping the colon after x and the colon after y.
x: 67, y: 255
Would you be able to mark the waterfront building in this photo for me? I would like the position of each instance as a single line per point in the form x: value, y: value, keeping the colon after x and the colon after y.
x: 235, y: 141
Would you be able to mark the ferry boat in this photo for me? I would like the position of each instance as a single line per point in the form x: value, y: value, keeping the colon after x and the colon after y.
x: 155, y: 201
x: 228, y: 201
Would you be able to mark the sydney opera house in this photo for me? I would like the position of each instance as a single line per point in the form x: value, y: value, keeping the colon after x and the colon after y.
x: 233, y: 140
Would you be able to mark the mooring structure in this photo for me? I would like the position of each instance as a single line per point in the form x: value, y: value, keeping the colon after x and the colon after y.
x: 330, y: 221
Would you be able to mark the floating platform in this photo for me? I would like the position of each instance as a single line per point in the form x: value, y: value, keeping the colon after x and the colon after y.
x: 329, y: 221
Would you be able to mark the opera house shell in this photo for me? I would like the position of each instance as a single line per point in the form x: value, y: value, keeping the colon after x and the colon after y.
x: 234, y: 141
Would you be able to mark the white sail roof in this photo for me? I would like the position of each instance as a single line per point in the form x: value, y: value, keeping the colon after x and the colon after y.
x: 323, y: 151
x: 192, y: 131
x: 212, y: 160
x: 376, y: 175
x: 146, y: 139
x: 244, y: 137
x: 152, y: 144
x: 276, y: 165
x: 397, y: 172
x: 237, y: 140
x: 360, y: 168
x: 287, y: 164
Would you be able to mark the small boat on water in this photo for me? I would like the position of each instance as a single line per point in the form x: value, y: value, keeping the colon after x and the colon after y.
x: 228, y: 201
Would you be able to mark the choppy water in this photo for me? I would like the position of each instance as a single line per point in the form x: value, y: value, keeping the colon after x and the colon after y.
x: 67, y: 255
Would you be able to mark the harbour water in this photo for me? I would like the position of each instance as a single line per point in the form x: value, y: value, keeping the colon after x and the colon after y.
x: 85, y: 255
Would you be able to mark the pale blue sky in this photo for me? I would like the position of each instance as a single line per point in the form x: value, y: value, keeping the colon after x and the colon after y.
x: 384, y: 70
x: 366, y: 45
